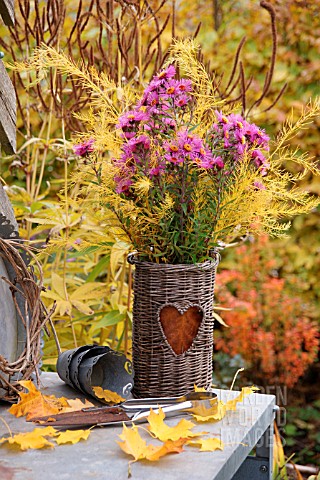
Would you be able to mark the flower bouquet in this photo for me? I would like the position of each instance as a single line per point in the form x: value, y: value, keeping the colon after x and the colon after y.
x: 183, y: 185
x: 188, y: 175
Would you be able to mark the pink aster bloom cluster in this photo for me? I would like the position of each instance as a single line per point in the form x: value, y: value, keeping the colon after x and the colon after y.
x: 233, y: 136
x: 158, y: 135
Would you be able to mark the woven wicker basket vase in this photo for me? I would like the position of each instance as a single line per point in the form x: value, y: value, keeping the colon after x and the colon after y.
x: 172, y: 327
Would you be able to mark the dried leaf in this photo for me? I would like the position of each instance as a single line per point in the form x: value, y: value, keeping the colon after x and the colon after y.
x: 163, y: 432
x: 220, y: 409
x: 72, y: 436
x: 207, y: 444
x: 218, y: 412
x: 35, y: 439
x: 217, y: 317
x: 169, y: 446
x: 34, y: 404
x: 108, y: 395
x: 232, y: 404
x: 77, y: 404
x: 134, y: 445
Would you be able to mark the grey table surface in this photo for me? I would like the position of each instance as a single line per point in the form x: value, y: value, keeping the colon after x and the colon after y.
x: 101, y: 458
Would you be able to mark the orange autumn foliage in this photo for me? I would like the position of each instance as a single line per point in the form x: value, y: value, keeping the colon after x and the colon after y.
x: 270, y: 326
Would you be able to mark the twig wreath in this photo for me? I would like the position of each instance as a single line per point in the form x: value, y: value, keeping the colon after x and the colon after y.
x: 33, y: 316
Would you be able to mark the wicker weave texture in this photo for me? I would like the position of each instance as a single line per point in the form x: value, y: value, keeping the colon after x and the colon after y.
x: 159, y: 371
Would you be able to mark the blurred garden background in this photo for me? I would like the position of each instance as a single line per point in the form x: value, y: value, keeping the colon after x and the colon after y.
x: 267, y: 291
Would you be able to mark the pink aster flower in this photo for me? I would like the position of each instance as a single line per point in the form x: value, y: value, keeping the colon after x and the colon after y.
x: 170, y: 122
x: 259, y: 185
x: 123, y: 184
x: 182, y: 100
x: 261, y: 162
x: 239, y: 136
x: 217, y: 161
x: 141, y: 142
x: 236, y: 120
x: 134, y: 151
x: 187, y: 146
x: 221, y: 117
x: 171, y: 87
x: 158, y: 81
x: 128, y: 119
x: 83, y: 149
x: 165, y: 74
x: 259, y: 158
x: 184, y: 85
x: 206, y: 160
x: 157, y: 170
x: 153, y: 99
x: 263, y: 139
x: 173, y: 152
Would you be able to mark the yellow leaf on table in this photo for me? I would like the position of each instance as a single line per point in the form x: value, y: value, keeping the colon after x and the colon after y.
x: 34, y: 404
x: 163, y: 432
x: 232, y: 404
x: 108, y: 395
x: 207, y: 444
x: 35, y: 439
x: 220, y: 409
x: 133, y: 444
x: 217, y: 413
x: 77, y: 404
x: 72, y: 436
x: 169, y: 446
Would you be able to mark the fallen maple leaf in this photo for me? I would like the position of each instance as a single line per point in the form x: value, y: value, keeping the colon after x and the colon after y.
x: 76, y: 404
x: 108, y: 395
x: 163, y: 432
x: 207, y: 444
x: 222, y: 408
x: 169, y: 446
x: 217, y: 413
x: 72, y: 436
x: 133, y: 444
x: 34, y: 404
x: 232, y: 404
x: 35, y: 439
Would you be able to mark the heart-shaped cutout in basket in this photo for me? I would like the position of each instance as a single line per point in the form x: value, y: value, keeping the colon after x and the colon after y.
x: 180, y: 326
